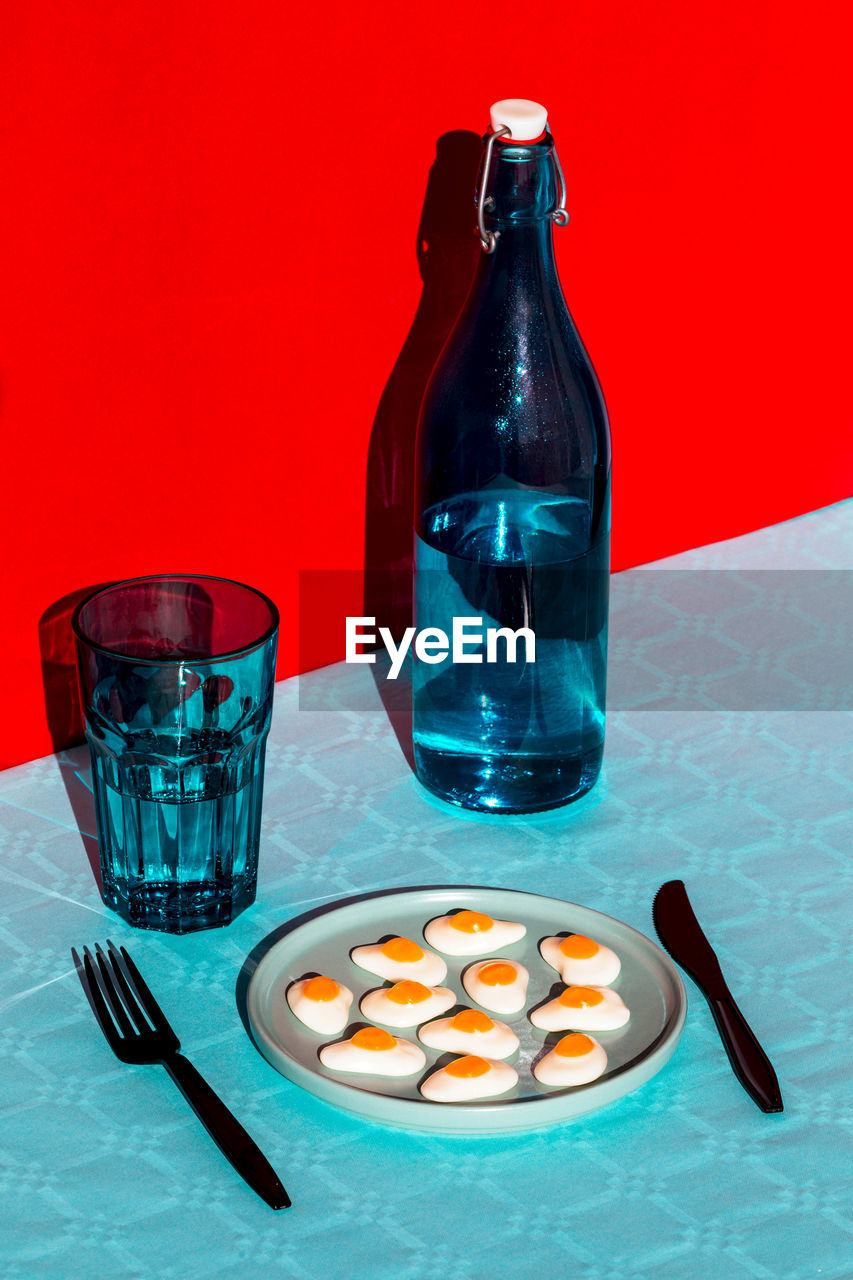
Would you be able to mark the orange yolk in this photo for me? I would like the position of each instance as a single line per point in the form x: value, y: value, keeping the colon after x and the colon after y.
x: 574, y: 1046
x: 580, y: 997
x: 577, y: 947
x: 374, y: 1039
x: 497, y: 975
x: 471, y: 1020
x: 471, y: 922
x: 407, y: 992
x: 321, y: 989
x: 468, y: 1066
x: 403, y: 950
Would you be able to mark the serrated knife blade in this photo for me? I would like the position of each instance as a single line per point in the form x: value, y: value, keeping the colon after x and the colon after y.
x: 681, y: 934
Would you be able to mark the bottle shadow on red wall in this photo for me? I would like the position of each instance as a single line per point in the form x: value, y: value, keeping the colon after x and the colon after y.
x: 447, y: 250
x: 65, y: 717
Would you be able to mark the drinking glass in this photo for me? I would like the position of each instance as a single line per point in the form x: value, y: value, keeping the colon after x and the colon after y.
x: 176, y: 677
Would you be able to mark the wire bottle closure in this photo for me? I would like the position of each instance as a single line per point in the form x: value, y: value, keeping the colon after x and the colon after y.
x: 488, y: 239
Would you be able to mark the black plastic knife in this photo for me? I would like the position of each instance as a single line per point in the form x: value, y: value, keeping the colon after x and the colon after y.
x: 681, y: 934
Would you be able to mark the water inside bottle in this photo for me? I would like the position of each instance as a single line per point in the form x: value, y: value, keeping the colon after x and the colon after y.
x: 510, y: 737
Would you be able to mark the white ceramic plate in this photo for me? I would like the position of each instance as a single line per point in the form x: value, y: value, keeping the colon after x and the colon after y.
x: 321, y: 942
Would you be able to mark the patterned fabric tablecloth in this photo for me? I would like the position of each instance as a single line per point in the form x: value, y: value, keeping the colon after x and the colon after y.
x: 104, y: 1170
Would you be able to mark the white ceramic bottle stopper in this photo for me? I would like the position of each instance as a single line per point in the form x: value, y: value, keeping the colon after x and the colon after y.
x: 525, y: 120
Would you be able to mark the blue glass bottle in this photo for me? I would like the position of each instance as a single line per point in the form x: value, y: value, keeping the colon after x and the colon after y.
x: 512, y: 517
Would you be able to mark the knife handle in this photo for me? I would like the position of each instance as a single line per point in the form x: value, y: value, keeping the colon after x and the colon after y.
x: 749, y: 1061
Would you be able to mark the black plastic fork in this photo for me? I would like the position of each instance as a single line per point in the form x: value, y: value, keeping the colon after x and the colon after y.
x: 120, y: 1000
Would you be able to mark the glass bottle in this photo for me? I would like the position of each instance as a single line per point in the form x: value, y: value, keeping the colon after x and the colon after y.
x: 512, y: 512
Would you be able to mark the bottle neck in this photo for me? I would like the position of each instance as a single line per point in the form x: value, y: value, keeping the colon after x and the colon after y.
x: 521, y: 185
x: 521, y: 195
x: 519, y: 246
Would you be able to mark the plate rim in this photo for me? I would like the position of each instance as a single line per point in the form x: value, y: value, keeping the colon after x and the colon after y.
x: 491, y: 1116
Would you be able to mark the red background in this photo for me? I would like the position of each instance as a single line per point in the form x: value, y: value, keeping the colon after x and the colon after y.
x: 208, y: 256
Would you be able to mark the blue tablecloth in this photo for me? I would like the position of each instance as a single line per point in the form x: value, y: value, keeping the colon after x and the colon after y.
x: 106, y: 1172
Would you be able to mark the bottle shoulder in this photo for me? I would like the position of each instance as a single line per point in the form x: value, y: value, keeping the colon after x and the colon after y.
x: 514, y: 393
x: 514, y: 345
x: 526, y: 379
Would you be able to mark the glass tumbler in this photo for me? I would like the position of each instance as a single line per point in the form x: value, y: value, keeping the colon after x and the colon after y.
x: 176, y: 677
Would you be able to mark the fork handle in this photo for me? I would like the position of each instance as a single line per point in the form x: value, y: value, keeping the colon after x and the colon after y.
x: 227, y: 1132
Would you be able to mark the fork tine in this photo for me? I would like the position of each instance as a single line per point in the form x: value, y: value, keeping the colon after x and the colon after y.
x: 112, y: 995
x: 127, y: 995
x: 102, y: 1013
x: 152, y: 1008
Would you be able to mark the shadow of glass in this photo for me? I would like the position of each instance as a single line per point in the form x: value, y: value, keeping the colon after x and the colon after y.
x: 76, y: 772
x: 447, y: 252
x: 65, y: 717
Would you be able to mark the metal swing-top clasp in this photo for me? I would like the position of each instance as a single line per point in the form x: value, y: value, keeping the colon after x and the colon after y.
x: 488, y: 239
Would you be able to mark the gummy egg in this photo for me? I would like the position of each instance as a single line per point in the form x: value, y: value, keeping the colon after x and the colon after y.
x: 406, y: 1003
x: 579, y: 959
x: 470, y: 1031
x: 499, y: 985
x: 465, y: 1079
x: 582, y: 1009
x: 321, y: 1003
x: 576, y: 1059
x: 400, y: 958
x: 374, y: 1052
x: 471, y: 933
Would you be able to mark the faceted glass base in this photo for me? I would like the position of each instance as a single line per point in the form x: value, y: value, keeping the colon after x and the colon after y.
x: 181, y: 909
